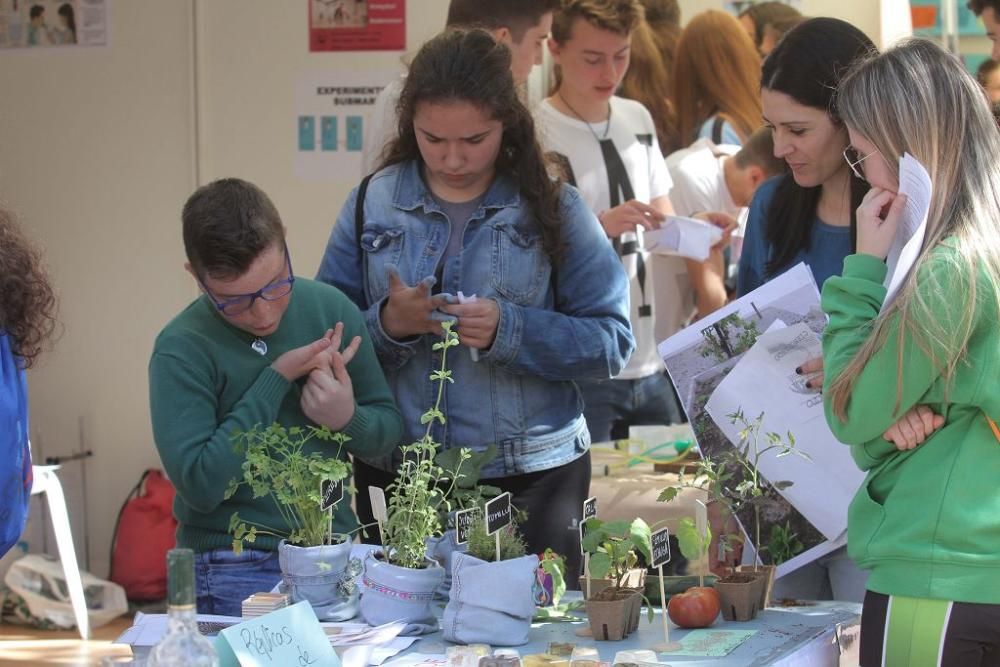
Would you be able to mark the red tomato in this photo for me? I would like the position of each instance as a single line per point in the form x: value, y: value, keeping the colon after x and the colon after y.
x: 696, y: 607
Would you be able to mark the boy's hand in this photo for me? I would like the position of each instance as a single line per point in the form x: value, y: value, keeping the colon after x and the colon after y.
x: 477, y: 322
x: 628, y: 217
x: 298, y: 362
x: 407, y: 311
x: 328, y: 397
x: 913, y: 428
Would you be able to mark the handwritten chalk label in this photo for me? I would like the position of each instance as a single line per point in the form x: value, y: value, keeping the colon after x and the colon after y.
x: 377, y: 497
x: 463, y: 524
x: 583, y: 533
x: 330, y: 493
x: 498, y: 513
x: 661, y: 547
x: 589, y: 507
x: 289, y: 636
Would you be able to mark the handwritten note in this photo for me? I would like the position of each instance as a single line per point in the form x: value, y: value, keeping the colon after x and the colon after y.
x: 288, y: 637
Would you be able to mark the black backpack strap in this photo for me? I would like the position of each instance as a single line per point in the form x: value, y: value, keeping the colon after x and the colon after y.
x: 359, y: 209
x: 717, y: 130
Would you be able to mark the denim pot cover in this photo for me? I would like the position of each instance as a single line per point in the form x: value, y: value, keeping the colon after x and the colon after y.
x: 394, y: 593
x: 491, y: 603
x: 323, y: 576
x: 442, y: 549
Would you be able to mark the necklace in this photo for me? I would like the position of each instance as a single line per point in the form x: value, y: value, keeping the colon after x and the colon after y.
x: 607, y: 124
x: 259, y: 346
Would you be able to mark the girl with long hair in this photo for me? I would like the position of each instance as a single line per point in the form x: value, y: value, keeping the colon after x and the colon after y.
x: 715, y: 81
x: 27, y: 321
x: 463, y: 206
x: 926, y: 522
x: 646, y: 81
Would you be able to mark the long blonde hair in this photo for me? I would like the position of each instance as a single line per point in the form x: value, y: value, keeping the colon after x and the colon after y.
x: 716, y: 71
x: 919, y: 99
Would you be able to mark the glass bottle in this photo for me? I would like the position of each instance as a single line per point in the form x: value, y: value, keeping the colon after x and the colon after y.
x: 183, y: 645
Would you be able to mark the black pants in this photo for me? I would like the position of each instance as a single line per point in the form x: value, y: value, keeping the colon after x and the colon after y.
x: 928, y: 632
x: 552, y: 498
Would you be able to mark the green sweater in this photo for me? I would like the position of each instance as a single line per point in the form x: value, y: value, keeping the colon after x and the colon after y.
x: 926, y: 522
x: 205, y: 382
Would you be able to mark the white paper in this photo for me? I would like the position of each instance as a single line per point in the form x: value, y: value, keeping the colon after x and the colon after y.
x: 788, y: 406
x: 682, y: 236
x: 915, y: 183
x: 473, y: 352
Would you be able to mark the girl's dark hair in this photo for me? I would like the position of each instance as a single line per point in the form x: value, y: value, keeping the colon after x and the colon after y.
x: 470, y: 66
x: 807, y: 65
x: 27, y: 301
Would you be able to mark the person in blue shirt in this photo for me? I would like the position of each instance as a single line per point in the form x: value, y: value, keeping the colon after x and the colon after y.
x: 463, y: 204
x: 807, y: 214
x: 27, y: 320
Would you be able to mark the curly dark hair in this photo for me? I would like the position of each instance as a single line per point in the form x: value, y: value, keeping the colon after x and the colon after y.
x: 470, y: 66
x: 27, y: 301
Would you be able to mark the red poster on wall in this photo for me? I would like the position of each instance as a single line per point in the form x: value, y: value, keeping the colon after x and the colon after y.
x: 357, y: 25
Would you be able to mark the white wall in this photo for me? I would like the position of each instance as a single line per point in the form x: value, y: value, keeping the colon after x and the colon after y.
x: 99, y: 154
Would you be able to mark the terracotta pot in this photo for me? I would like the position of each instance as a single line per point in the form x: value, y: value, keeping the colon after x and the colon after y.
x: 766, y: 573
x: 635, y: 578
x: 612, y: 619
x: 739, y: 600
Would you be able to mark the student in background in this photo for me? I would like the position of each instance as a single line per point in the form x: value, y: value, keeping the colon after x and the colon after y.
x: 988, y: 75
x: 767, y: 22
x: 27, y: 322
x: 664, y: 19
x: 522, y: 25
x: 716, y: 81
x: 926, y: 522
x: 250, y: 351
x: 647, y: 83
x: 464, y: 202
x: 607, y: 147
x: 989, y: 12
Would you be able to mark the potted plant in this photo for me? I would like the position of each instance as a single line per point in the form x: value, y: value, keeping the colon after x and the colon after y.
x: 693, y: 547
x: 316, y: 565
x: 734, y: 480
x: 400, y: 580
x: 614, y: 549
x: 465, y: 469
x: 491, y: 600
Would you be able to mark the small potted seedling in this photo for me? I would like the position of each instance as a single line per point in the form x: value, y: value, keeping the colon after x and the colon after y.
x: 400, y: 581
x: 614, y: 548
x: 306, y: 484
x: 492, y: 598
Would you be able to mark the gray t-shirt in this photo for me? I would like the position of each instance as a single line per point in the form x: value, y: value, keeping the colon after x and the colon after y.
x: 458, y: 214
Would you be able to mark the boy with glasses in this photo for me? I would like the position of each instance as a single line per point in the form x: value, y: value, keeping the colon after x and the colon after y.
x: 259, y: 346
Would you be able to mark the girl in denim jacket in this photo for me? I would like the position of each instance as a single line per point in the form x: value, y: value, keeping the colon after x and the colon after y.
x: 462, y: 221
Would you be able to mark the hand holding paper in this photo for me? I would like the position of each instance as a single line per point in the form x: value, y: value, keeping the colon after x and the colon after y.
x: 686, y: 237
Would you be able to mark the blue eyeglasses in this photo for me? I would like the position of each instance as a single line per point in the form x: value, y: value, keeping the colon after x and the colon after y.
x: 244, y: 302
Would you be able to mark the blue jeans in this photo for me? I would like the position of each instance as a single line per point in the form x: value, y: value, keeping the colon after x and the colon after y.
x: 611, y: 406
x: 223, y: 580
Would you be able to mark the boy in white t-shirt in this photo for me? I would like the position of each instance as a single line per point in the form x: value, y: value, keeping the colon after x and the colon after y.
x: 606, y: 146
x: 523, y: 25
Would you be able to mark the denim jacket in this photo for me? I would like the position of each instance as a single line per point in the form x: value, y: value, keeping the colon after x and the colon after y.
x: 558, y: 324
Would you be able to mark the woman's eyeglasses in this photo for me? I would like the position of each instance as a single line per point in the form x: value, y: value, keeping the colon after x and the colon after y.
x: 854, y: 160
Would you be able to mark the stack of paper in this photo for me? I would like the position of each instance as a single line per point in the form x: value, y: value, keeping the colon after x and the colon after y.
x: 259, y: 604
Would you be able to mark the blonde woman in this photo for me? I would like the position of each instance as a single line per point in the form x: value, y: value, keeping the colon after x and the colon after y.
x: 926, y: 522
x: 716, y: 81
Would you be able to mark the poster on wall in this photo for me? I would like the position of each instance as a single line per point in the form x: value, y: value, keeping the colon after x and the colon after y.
x: 41, y: 23
x: 332, y: 113
x: 357, y: 25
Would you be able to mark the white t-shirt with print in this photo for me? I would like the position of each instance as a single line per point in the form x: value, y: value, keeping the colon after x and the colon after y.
x: 631, y: 155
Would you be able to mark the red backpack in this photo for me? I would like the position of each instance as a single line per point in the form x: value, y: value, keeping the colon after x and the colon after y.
x: 144, y: 532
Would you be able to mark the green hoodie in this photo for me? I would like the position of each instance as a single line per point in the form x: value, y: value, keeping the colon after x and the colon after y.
x: 205, y: 382
x: 926, y: 521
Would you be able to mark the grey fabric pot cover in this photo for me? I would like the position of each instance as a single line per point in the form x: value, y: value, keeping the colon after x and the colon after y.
x: 394, y: 593
x: 441, y: 549
x: 323, y: 576
x: 491, y: 603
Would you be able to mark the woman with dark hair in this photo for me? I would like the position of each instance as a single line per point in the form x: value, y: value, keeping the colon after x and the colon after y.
x: 27, y: 320
x: 66, y: 32
x: 463, y: 204
x: 807, y: 214
x: 767, y: 22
